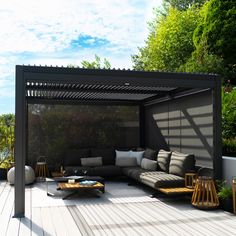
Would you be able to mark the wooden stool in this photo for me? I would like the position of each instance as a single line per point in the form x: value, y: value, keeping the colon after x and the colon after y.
x: 190, y: 180
x: 234, y: 194
x: 41, y: 169
x: 204, y: 195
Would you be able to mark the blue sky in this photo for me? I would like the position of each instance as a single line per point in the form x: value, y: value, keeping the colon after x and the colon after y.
x: 62, y: 32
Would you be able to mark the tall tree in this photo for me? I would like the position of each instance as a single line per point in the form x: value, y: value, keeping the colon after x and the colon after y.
x: 7, y: 122
x: 217, y: 30
x: 96, y: 64
x: 170, y: 43
x: 183, y: 4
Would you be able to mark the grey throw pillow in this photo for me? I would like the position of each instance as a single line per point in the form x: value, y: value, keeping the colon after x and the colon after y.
x: 163, y: 160
x: 126, y: 161
x: 147, y: 164
x: 180, y: 163
x: 91, y: 161
x: 150, y: 154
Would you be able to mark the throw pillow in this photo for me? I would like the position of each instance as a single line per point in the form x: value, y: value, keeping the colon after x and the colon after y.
x: 163, y: 160
x: 126, y: 161
x: 180, y: 163
x: 138, y: 156
x: 150, y: 154
x: 147, y: 164
x: 91, y: 161
x: 123, y: 153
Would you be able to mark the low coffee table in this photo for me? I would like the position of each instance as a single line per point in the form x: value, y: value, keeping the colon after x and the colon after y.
x: 64, y: 185
x: 78, y: 186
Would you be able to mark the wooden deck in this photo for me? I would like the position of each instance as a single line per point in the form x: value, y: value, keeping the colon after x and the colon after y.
x: 122, y: 210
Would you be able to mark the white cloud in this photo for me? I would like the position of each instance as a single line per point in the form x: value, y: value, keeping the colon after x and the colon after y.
x: 37, y: 26
x: 40, y: 32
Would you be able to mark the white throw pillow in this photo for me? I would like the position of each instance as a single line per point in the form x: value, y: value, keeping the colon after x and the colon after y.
x: 138, y: 155
x: 123, y: 154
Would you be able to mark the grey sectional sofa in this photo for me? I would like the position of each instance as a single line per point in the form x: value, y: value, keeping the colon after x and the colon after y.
x: 160, y: 169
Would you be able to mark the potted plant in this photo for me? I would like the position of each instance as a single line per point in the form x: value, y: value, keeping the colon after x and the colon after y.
x: 3, y: 169
x: 225, y: 195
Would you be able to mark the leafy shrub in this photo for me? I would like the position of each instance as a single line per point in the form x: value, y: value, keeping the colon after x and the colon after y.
x: 229, y: 147
x: 224, y: 191
x: 229, y: 120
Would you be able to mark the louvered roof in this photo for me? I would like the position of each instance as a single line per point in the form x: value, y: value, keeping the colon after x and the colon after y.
x: 54, y: 83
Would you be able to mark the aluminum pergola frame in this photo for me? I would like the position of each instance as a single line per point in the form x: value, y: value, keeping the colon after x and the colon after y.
x: 58, y: 85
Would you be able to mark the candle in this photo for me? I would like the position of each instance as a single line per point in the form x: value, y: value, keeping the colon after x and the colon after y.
x: 71, y: 181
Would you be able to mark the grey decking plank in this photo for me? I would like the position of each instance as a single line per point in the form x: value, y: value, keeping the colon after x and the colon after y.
x: 90, y: 217
x: 80, y: 221
x: 137, y: 221
x: 69, y: 222
x: 109, y: 220
x: 211, y: 229
x: 147, y: 219
x: 7, y: 210
x: 4, y: 196
x: 47, y: 223
x: 13, y: 224
x: 26, y: 223
x: 58, y: 222
x: 37, y: 228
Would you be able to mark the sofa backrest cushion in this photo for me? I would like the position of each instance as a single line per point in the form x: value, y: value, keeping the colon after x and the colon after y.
x: 73, y: 156
x: 180, y: 163
x: 122, y: 153
x: 163, y: 160
x: 150, y: 154
x: 107, y: 154
x: 148, y: 164
x: 137, y: 155
x: 126, y: 161
x: 91, y: 161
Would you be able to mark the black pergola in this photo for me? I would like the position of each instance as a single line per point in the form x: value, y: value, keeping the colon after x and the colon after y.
x: 147, y: 90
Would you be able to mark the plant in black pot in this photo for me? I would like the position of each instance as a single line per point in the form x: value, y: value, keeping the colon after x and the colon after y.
x: 225, y: 195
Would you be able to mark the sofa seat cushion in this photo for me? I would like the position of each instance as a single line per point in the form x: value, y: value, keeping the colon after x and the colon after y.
x: 107, y: 171
x: 159, y: 179
x: 107, y: 154
x: 180, y: 163
x: 133, y: 172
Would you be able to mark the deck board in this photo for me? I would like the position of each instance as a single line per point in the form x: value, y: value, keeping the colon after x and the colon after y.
x: 123, y: 210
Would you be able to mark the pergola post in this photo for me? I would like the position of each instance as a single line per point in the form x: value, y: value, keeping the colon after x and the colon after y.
x: 20, y: 143
x: 217, y: 136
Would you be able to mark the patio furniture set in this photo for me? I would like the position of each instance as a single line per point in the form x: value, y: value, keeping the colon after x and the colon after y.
x: 168, y: 172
